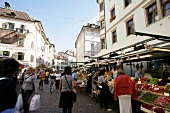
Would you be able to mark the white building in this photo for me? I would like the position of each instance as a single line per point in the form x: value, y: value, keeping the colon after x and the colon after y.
x: 71, y: 58
x: 22, y: 37
x: 88, y: 42
x: 60, y: 61
x: 119, y: 19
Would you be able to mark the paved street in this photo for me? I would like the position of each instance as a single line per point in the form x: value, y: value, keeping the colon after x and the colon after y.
x: 50, y: 102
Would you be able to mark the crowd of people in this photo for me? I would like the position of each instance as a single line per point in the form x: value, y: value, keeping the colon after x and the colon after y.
x: 64, y: 82
x: 9, y: 69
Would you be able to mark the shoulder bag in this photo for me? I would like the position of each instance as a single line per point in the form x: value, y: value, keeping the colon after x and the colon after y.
x: 74, y: 95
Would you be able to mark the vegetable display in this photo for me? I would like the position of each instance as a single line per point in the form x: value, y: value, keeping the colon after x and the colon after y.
x: 148, y: 97
x: 154, y: 81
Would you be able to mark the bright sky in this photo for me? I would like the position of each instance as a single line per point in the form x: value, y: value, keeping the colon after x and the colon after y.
x: 62, y: 19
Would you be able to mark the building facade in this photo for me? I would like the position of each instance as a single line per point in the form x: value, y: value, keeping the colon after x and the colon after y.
x: 88, y: 42
x: 22, y: 37
x: 120, y: 19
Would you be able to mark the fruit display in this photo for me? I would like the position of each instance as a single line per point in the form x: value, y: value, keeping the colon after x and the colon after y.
x: 158, y: 110
x: 147, y: 106
x: 162, y: 101
x: 149, y: 97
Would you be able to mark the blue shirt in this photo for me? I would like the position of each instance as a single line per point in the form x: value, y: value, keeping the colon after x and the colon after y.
x: 138, y: 74
x: 74, y: 75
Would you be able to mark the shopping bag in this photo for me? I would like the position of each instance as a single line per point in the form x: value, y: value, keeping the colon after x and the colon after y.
x: 11, y: 110
x: 19, y: 104
x: 35, y: 103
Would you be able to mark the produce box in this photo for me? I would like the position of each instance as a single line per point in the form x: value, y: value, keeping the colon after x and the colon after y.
x: 146, y: 110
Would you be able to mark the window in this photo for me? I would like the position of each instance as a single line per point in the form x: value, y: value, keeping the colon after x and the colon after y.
x: 152, y: 13
x: 11, y: 25
x: 6, y: 53
x: 127, y: 2
x: 32, y: 58
x: 20, y: 56
x: 165, y: 7
x: 92, y: 53
x: 92, y: 46
x: 32, y: 45
x: 102, y: 24
x: 114, y: 36
x: 130, y: 27
x: 103, y: 44
x: 101, y: 7
x: 113, y: 15
x: 21, y: 42
x: 8, y: 25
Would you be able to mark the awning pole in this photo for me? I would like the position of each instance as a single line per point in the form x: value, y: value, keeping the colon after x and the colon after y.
x: 131, y: 68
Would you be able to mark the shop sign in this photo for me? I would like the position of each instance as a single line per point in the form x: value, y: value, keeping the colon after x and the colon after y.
x: 9, y: 47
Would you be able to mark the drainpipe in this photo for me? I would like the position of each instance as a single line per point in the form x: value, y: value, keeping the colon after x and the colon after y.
x: 105, y: 23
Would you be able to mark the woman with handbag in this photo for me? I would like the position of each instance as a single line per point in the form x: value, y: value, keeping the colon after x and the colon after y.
x: 28, y: 87
x: 66, y: 86
x: 8, y: 97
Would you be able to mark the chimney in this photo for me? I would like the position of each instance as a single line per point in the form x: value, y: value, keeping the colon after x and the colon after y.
x: 7, y: 5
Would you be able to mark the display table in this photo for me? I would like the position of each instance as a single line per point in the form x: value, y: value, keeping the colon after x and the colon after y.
x: 81, y: 87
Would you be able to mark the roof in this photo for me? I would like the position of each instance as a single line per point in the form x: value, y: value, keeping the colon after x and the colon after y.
x: 15, y: 14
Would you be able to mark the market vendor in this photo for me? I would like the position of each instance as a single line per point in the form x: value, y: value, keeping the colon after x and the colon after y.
x: 138, y: 74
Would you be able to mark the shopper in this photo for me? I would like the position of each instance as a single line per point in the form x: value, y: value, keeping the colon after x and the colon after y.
x: 28, y: 86
x: 114, y: 71
x: 123, y: 88
x: 57, y: 76
x: 42, y: 79
x: 66, y: 95
x: 104, y: 91
x: 8, y: 97
x: 47, y: 74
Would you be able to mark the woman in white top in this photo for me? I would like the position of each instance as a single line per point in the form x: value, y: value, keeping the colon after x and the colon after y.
x: 57, y: 75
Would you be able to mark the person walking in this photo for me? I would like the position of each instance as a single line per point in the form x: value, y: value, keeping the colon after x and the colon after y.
x: 47, y: 74
x: 8, y: 97
x: 66, y: 82
x: 42, y: 79
x: 57, y: 76
x: 124, y: 88
x: 28, y: 86
x: 104, y: 91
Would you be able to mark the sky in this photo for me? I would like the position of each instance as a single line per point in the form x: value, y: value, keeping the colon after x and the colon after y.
x: 62, y: 20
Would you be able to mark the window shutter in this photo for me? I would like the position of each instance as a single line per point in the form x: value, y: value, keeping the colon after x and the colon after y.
x: 4, y: 25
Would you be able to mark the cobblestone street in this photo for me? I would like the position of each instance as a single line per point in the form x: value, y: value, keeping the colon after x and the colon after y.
x: 50, y: 102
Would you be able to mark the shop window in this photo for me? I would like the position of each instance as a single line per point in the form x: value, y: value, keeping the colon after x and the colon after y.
x: 103, y: 43
x: 6, y: 53
x: 152, y: 13
x: 101, y: 6
x: 20, y: 56
x: 165, y: 7
x: 130, y: 27
x: 21, y: 42
x: 113, y: 15
x: 102, y: 24
x: 127, y: 2
x: 114, y: 36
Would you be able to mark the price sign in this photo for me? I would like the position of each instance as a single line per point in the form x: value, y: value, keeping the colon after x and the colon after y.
x: 166, y: 94
x: 139, y: 82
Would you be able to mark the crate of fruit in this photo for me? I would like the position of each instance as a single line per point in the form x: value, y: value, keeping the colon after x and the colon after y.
x: 146, y: 110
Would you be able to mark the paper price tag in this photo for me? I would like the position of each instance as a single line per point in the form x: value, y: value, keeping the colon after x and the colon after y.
x: 139, y: 82
x: 166, y: 94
